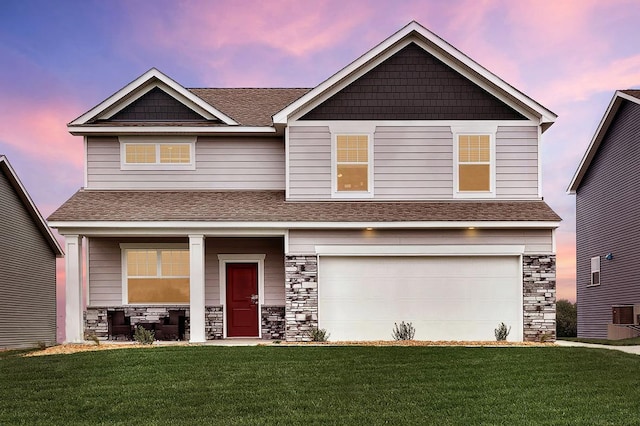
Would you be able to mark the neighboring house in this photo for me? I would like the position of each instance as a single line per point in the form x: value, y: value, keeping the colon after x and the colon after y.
x: 28, y: 252
x: 406, y: 187
x: 608, y: 224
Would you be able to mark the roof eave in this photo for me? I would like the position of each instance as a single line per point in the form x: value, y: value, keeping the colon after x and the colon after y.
x: 169, y: 130
x: 24, y: 196
x: 546, y: 116
x: 141, y: 81
x: 596, y: 140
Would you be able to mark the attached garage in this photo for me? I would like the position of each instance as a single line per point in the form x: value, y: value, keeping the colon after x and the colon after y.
x: 446, y: 297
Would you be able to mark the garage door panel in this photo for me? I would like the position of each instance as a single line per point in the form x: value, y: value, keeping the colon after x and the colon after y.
x: 446, y: 298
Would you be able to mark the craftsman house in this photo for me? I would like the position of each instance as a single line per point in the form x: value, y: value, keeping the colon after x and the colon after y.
x: 405, y: 187
x: 28, y: 252
x: 607, y: 224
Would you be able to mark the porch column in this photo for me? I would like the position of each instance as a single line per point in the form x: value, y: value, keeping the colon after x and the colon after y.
x: 74, y: 323
x: 196, y: 303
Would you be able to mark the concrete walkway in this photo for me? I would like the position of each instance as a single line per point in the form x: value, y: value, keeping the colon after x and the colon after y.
x: 628, y: 349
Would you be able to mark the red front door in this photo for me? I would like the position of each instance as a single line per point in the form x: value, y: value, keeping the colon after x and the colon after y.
x: 242, y: 299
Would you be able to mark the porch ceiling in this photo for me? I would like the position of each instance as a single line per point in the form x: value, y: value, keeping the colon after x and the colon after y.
x: 270, y: 206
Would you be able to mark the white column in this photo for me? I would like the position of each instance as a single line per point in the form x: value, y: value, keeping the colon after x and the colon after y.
x: 196, y: 304
x: 74, y: 322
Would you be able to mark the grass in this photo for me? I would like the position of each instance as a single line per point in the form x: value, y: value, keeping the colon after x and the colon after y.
x: 322, y: 385
x: 623, y: 342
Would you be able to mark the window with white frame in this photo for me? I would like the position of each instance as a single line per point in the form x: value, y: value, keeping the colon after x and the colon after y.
x: 352, y: 164
x: 157, y: 154
x: 156, y: 275
x: 595, y: 270
x: 474, y: 174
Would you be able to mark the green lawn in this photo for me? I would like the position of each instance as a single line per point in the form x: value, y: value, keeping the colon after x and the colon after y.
x: 323, y: 385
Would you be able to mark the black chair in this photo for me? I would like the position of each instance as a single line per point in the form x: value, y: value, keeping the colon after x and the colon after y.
x: 119, y: 325
x: 172, y: 328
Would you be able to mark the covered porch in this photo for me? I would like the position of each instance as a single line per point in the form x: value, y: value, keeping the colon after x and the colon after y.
x: 195, y: 287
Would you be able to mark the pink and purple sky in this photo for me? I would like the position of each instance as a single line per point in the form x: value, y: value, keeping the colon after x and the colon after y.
x: 61, y: 58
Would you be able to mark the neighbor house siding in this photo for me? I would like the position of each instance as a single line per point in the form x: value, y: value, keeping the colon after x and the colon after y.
x: 413, y: 163
x: 28, y: 276
x: 608, y: 222
x: 538, y: 241
x: 221, y: 163
x: 105, y: 272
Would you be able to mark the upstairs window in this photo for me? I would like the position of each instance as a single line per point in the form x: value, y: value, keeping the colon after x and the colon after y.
x: 157, y: 155
x: 474, y: 170
x: 352, y: 165
x: 595, y: 270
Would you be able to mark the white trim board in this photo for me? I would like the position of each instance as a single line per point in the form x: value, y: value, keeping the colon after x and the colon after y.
x: 422, y: 250
x: 169, y: 130
x: 414, y: 32
x: 141, y: 85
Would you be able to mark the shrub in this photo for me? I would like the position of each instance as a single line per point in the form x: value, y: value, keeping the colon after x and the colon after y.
x: 566, y: 319
x: 404, y: 331
x: 501, y: 332
x: 319, y: 335
x: 143, y: 336
x: 93, y: 337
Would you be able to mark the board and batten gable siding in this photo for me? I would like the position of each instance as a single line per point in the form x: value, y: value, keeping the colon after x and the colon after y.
x: 222, y: 163
x: 413, y: 163
x: 28, y: 271
x: 105, y: 270
x: 535, y: 241
x: 608, y: 221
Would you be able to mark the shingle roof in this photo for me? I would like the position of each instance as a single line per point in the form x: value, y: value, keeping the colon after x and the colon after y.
x: 250, y: 107
x: 634, y: 93
x: 270, y: 206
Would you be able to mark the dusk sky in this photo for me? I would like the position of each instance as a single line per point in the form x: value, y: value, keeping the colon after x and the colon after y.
x: 61, y: 58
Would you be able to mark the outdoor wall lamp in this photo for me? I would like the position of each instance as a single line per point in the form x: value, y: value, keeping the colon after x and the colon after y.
x: 609, y: 256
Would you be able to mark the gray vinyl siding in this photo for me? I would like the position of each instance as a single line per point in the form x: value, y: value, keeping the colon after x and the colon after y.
x: 309, y: 163
x: 413, y: 163
x: 222, y: 163
x: 535, y: 241
x: 28, y: 271
x: 607, y: 221
x: 105, y: 273
x: 517, y: 162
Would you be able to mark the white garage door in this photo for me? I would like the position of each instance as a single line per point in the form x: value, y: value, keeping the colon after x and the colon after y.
x: 446, y: 298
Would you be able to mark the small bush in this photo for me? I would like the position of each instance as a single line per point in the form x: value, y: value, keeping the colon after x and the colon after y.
x: 319, y: 335
x: 404, y: 331
x: 93, y: 337
x: 143, y: 336
x: 566, y: 319
x: 501, y: 332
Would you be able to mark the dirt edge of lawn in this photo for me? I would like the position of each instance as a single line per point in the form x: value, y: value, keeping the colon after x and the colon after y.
x: 71, y: 348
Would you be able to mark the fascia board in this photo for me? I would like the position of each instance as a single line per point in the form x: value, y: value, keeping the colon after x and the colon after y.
x: 167, y: 130
x: 545, y: 115
x: 31, y: 207
x: 121, y: 94
x: 420, y: 250
x: 601, y: 130
x: 204, y: 227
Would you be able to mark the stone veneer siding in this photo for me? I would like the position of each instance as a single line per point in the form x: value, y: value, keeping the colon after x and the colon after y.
x: 96, y: 323
x: 213, y: 322
x: 539, y: 294
x: 538, y: 289
x: 301, y: 296
x: 273, y: 322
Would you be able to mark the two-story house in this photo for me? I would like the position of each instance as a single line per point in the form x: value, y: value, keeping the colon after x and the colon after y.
x: 607, y: 287
x: 405, y: 187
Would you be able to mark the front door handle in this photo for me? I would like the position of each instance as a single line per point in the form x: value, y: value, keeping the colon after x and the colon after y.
x: 254, y: 299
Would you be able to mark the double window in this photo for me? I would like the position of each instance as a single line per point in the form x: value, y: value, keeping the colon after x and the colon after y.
x: 157, y: 153
x: 156, y: 275
x: 352, y: 166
